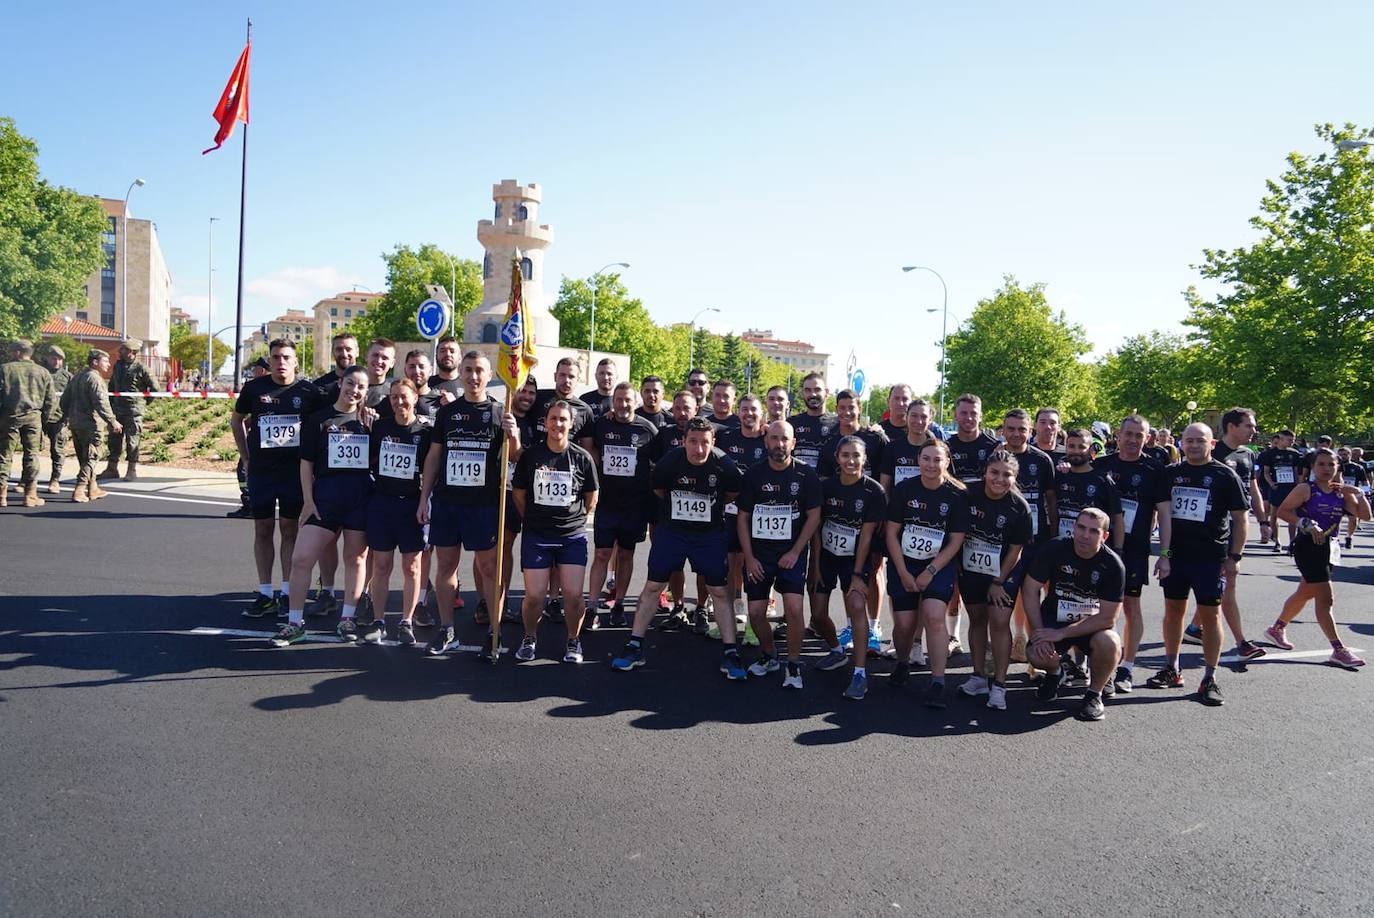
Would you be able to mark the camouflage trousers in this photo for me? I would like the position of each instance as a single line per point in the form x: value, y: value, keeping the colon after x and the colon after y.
x: 86, y: 441
x: 126, y: 442
x: 30, y: 433
x: 57, y: 443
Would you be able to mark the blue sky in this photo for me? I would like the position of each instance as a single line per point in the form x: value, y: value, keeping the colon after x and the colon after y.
x: 778, y: 161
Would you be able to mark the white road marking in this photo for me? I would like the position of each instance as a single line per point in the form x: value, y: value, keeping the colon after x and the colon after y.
x: 180, y: 500
x: 1284, y: 655
x: 317, y: 638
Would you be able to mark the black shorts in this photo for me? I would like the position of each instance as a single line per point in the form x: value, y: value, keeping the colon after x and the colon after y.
x: 732, y: 544
x: 341, y: 502
x: 1137, y: 570
x: 271, y: 490
x: 785, y: 580
x: 941, y: 586
x: 626, y: 528
x: 672, y: 547
x: 973, y: 588
x: 837, y: 571
x: 1313, y: 560
x: 391, y: 524
x: 1201, y: 578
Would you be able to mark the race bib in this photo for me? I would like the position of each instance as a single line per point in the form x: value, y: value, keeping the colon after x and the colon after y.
x: 1035, y: 519
x: 1069, y: 611
x: 279, y: 431
x: 553, y: 488
x: 807, y: 455
x: 1066, y: 525
x: 690, y: 507
x: 921, y: 543
x: 1283, y: 474
x: 731, y: 509
x: 396, y: 460
x: 1190, y: 504
x: 982, y: 557
x: 619, y: 461
x: 772, y: 522
x: 1335, y: 557
x: 347, y: 450
x: 1350, y: 482
x: 902, y: 472
x: 1128, y: 509
x: 840, y: 540
x: 466, y: 468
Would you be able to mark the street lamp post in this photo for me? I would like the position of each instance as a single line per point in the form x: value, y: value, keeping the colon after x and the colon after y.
x: 944, y: 330
x: 210, y: 310
x: 591, y: 341
x: 691, y: 334
x: 124, y: 260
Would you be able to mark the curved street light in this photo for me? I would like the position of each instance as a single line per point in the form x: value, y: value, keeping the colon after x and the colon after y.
x: 124, y: 260
x: 691, y: 329
x: 944, y: 330
x: 591, y: 342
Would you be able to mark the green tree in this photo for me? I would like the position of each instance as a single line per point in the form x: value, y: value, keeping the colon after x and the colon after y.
x: 1293, y: 333
x: 1156, y: 375
x: 407, y: 272
x: 623, y: 325
x: 190, y: 350
x: 76, y: 351
x: 1014, y: 351
x: 49, y: 239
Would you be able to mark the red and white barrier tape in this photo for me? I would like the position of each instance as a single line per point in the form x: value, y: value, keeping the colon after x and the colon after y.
x: 187, y: 395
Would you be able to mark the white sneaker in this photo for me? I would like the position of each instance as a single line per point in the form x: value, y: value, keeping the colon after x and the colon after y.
x: 997, y: 697
x: 792, y: 678
x: 976, y: 685
x: 763, y: 666
x: 741, y: 612
x: 918, y: 655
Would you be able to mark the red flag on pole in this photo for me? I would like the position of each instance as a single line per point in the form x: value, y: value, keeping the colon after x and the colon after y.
x: 233, y: 103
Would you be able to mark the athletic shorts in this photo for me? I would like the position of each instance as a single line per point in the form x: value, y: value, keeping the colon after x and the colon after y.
x: 391, y: 524
x: 1265, y: 491
x: 270, y: 490
x: 1137, y: 570
x: 774, y: 577
x: 1083, y: 643
x: 941, y: 586
x: 341, y: 502
x: 1281, y: 492
x: 1313, y: 560
x: 836, y: 571
x: 513, y: 519
x: 973, y: 588
x: 541, y: 552
x: 732, y: 544
x: 1201, y: 578
x: 472, y: 526
x: 673, y: 547
x: 626, y: 528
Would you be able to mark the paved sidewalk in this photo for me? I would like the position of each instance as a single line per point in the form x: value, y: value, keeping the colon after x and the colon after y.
x: 152, y: 479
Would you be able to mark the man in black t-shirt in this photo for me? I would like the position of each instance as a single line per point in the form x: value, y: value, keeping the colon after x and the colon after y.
x: 697, y: 384
x: 266, y: 424
x: 1351, y: 470
x: 621, y: 447
x: 723, y: 406
x: 599, y: 399
x: 652, y: 409
x: 1207, y: 509
x: 898, y: 398
x: 1083, y: 581
x: 344, y: 347
x: 969, y: 449
x: 1281, y: 467
x: 779, y: 512
x: 1047, y: 439
x: 445, y: 378
x: 776, y: 403
x: 564, y: 377
x: 814, y: 426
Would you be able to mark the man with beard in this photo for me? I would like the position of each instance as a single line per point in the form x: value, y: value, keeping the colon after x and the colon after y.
x: 599, y: 399
x: 746, y: 447
x: 667, y: 439
x: 621, y: 447
x: 1035, y: 475
x: 969, y: 449
x: 813, y: 426
x: 651, y: 393
x: 1047, y: 435
x: 344, y: 348
x: 446, y: 378
x: 697, y: 381
x: 777, y: 402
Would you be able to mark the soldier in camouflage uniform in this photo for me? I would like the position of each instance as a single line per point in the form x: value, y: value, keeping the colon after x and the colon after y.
x: 26, y: 401
x: 85, y: 402
x: 54, y: 427
x: 128, y: 376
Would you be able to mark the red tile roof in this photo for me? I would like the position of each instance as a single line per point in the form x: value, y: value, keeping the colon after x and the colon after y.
x: 77, y: 328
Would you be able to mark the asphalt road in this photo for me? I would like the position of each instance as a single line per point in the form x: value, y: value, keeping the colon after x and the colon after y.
x: 152, y: 770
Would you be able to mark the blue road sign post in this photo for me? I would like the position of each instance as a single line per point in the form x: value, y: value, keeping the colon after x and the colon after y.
x: 857, y: 382
x: 431, y: 319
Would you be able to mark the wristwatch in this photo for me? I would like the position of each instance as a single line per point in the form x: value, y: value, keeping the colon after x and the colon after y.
x: 1235, y: 558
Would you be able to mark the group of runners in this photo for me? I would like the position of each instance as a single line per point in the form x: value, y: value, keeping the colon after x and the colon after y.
x: 1042, y: 545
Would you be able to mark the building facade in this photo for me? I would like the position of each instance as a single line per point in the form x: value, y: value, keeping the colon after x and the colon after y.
x: 799, y: 355
x: 514, y: 228
x: 149, y: 284
x: 178, y: 317
x: 332, y: 314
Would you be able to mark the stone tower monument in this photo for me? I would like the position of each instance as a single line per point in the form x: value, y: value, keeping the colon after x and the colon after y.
x: 515, y: 226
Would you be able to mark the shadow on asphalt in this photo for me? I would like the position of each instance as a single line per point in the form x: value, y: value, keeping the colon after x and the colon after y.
x: 135, y: 639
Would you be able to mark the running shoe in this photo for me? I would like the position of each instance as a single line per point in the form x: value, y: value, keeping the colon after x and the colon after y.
x: 1122, y: 680
x: 1349, y: 543
x: 458, y: 601
x: 677, y: 619
x: 749, y: 639
x: 663, y: 602
x: 631, y: 656
x: 1249, y: 650
x: 1092, y: 708
x: 935, y: 696
x: 347, y: 630
x: 858, y: 687
x: 1074, y: 669
x: 733, y: 668
x: 875, y: 643
x: 1048, y: 689
x: 899, y: 675
x: 283, y: 604
x: 1168, y: 677
x: 764, y: 665
x: 918, y: 655
x: 1109, y: 689
x: 288, y: 634
x: 832, y: 661
x: 511, y: 615
x: 421, y: 617
x: 1018, y: 649
x: 955, y: 648
x: 366, y: 613
x: 374, y: 633
x: 1278, y: 636
x: 591, y: 621
x: 701, y: 622
x: 405, y: 634
x: 1192, y: 634
x: 526, y: 651
x: 617, y: 619
x: 572, y: 655
x: 1343, y: 658
x: 323, y: 606
x: 443, y: 636
x: 792, y: 678
x: 975, y: 686
x: 713, y: 632
x: 481, y: 615
x: 1209, y: 693
x: 553, y: 610
x: 847, y: 638
x: 875, y: 628
x: 261, y: 607
x: 997, y: 697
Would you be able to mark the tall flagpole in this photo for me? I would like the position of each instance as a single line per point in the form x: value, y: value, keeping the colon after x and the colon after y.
x: 243, y: 208
x: 497, y: 603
